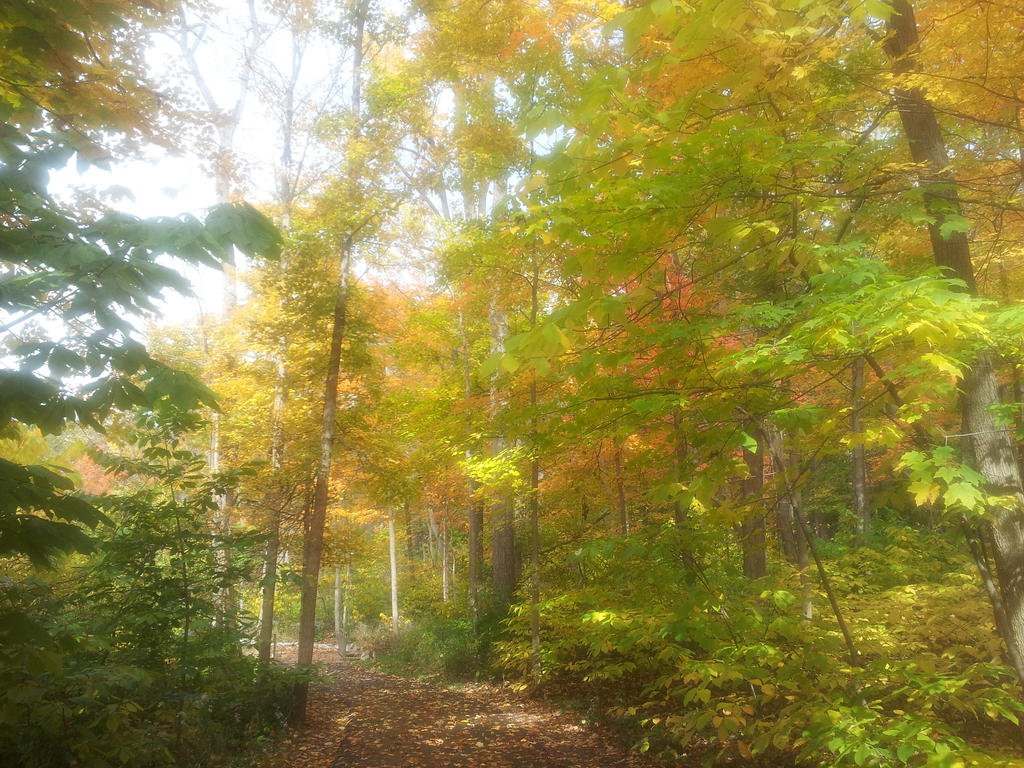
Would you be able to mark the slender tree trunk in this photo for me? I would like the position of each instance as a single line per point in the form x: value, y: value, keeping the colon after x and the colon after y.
x: 784, y: 523
x: 433, y: 537
x: 475, y: 510
x: 503, y: 549
x: 861, y: 503
x: 803, y: 542
x: 534, y: 498
x: 476, y: 559
x: 451, y: 586
x: 221, y: 525
x: 1018, y: 411
x: 679, y: 513
x: 285, y: 199
x: 342, y: 634
x: 788, y: 510
x: 443, y: 546
x: 228, y: 118
x: 805, y: 545
x: 989, y: 447
x: 393, y: 553
x: 752, y: 530
x: 337, y: 607
x: 314, y: 537
x: 503, y: 543
x: 620, y: 492
x: 269, y: 585
x: 409, y: 539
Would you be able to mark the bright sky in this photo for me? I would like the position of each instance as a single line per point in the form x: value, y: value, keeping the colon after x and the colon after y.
x: 169, y: 186
x: 172, y: 185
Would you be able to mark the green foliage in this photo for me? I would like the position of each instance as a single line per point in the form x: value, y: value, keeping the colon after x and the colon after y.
x: 74, y: 289
x: 938, y: 475
x: 127, y: 659
x: 440, y: 649
x: 690, y: 658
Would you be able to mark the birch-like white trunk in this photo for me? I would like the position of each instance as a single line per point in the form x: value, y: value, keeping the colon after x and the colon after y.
x: 393, y: 552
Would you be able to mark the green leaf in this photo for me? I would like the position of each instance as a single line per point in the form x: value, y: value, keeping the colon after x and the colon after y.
x: 963, y: 494
x: 880, y: 9
x: 905, y: 751
x: 508, y: 364
x: 749, y: 443
x: 953, y: 223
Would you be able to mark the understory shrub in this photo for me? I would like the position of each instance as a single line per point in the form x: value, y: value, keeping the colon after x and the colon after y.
x: 71, y: 696
x: 440, y: 648
x: 702, y: 661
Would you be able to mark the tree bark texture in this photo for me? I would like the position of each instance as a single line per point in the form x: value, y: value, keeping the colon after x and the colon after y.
x: 503, y: 550
x: 393, y: 554
x: 620, y: 492
x: 534, y: 499
x: 788, y: 512
x: 444, y: 558
x: 752, y: 530
x: 987, y: 446
x: 269, y: 587
x: 503, y: 542
x: 410, y: 543
x: 475, y: 509
x: 341, y: 607
x: 313, y: 543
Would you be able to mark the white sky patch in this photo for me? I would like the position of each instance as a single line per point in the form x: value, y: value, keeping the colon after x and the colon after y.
x: 164, y: 186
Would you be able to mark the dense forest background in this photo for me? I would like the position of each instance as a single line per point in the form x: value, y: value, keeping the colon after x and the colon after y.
x: 660, y: 358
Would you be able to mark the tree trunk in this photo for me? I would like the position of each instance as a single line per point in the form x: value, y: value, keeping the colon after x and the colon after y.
x: 475, y: 509
x: 393, y: 553
x: 503, y: 551
x: 989, y: 448
x: 337, y: 607
x: 784, y: 523
x: 861, y: 503
x: 341, y: 632
x: 503, y: 543
x: 788, y: 511
x: 433, y: 538
x: 269, y: 586
x: 802, y: 541
x: 679, y: 513
x: 443, y: 546
x: 452, y: 590
x: 752, y: 529
x: 409, y: 541
x: 476, y: 559
x: 314, y: 536
x: 534, y: 499
x: 620, y: 492
x: 285, y: 199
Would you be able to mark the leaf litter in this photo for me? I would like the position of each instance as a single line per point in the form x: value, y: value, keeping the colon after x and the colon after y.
x: 361, y: 718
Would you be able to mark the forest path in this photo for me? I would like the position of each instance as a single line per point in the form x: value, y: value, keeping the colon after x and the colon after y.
x: 360, y: 718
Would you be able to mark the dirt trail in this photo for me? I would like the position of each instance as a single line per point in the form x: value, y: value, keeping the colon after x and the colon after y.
x: 364, y: 719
